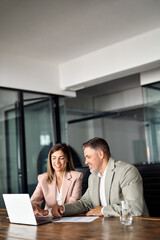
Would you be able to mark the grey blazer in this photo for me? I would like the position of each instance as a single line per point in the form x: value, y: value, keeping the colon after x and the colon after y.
x: 122, y: 181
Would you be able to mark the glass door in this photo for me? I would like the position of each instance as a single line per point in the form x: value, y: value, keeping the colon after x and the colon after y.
x: 28, y: 129
x: 9, y: 145
x: 151, y: 95
x: 39, y: 134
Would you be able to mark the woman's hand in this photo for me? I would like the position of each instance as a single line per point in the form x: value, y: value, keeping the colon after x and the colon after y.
x: 38, y: 211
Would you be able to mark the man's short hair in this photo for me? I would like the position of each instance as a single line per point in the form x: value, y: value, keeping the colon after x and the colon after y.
x: 98, y: 143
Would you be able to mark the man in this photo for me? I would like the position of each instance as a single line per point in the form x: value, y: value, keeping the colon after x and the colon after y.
x: 111, y: 182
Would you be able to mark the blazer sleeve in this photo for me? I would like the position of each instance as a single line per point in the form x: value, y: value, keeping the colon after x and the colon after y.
x: 37, y: 196
x: 77, y: 188
x: 81, y: 206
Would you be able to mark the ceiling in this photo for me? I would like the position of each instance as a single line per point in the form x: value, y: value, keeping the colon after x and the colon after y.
x: 59, y: 30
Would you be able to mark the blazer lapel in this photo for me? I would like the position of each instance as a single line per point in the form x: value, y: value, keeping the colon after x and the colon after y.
x: 52, y: 193
x: 65, y: 185
x: 109, y: 178
x: 96, y: 191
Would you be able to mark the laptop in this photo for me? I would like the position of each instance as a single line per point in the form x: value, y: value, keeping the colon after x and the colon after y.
x: 20, y: 210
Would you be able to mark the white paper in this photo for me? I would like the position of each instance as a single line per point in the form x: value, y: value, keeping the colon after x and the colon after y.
x: 75, y: 219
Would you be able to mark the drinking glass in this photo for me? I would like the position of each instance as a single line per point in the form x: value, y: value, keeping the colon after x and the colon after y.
x: 126, y: 215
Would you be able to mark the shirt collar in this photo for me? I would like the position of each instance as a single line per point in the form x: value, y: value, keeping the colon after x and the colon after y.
x: 104, y: 174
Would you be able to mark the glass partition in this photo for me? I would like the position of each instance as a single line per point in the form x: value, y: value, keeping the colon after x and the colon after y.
x: 126, y: 137
x: 39, y: 134
x: 28, y: 128
x: 63, y: 120
x: 151, y: 94
x: 9, y: 152
x: 123, y: 130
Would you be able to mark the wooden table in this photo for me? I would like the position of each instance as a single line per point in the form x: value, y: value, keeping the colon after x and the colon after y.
x: 101, y: 228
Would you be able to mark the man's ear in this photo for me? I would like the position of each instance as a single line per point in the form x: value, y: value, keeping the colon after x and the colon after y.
x: 101, y: 153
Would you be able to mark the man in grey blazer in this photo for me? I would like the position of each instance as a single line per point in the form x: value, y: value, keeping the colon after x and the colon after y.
x: 111, y: 182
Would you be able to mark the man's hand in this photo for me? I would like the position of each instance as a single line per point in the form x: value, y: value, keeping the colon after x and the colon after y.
x: 38, y: 211
x: 95, y: 211
x: 57, y: 211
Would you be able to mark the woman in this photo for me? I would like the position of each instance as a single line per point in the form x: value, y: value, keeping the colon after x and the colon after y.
x: 60, y: 184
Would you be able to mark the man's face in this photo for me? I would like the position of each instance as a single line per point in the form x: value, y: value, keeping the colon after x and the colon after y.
x: 93, y: 159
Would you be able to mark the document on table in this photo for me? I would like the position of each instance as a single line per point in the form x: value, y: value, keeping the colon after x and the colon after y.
x: 75, y: 219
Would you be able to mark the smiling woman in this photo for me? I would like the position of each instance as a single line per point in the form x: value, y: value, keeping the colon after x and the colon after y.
x: 60, y: 184
x: 59, y: 160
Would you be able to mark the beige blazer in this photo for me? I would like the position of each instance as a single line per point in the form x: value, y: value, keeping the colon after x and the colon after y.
x: 122, y: 181
x: 71, y: 189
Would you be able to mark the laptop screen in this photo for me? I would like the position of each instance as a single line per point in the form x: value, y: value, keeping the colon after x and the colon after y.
x: 19, y: 209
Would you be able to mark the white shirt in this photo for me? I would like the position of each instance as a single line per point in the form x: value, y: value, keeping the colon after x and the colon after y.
x: 59, y: 197
x: 102, y: 189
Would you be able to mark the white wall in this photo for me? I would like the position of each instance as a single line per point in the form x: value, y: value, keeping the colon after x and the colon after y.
x: 150, y: 76
x: 28, y: 74
x: 137, y: 54
x: 120, y: 100
x: 133, y: 55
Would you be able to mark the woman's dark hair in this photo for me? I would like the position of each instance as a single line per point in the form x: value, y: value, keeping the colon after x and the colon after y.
x: 65, y: 149
x: 98, y: 143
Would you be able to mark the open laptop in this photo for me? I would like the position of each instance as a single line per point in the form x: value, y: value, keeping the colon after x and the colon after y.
x: 19, y: 209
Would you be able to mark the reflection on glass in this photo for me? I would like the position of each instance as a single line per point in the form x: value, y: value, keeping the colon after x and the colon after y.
x: 151, y: 94
x: 123, y: 130
x: 38, y: 135
x: 20, y: 145
x: 9, y: 153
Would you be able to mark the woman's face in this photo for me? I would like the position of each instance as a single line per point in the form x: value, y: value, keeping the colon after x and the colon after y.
x: 59, y: 161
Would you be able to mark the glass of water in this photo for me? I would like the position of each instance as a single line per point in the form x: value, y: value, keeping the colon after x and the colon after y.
x: 126, y: 215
